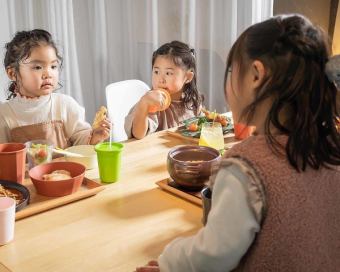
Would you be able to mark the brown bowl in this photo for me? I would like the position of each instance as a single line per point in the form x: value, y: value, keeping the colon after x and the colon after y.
x: 59, y: 187
x: 190, y: 165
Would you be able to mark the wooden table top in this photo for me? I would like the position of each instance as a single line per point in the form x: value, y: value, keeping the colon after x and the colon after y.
x: 120, y: 228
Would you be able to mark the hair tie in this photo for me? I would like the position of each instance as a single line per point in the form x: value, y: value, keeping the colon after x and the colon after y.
x: 192, y: 51
x: 333, y: 70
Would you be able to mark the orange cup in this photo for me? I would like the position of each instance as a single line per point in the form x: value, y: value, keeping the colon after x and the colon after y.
x: 166, y: 104
x: 243, y: 131
x: 12, y: 162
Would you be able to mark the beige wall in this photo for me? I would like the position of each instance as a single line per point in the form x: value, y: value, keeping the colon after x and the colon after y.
x: 336, y: 35
x: 316, y: 10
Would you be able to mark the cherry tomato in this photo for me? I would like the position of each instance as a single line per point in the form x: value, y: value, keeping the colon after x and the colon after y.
x: 223, y: 122
x: 193, y: 127
x: 41, y: 154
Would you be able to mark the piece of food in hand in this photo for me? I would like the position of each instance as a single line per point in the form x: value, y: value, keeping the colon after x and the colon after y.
x: 100, y: 116
x: 166, y: 102
x: 57, y: 175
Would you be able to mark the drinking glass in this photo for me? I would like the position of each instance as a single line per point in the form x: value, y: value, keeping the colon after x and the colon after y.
x: 212, y: 135
x: 38, y: 152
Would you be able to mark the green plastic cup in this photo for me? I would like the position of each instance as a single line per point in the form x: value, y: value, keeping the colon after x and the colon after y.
x: 109, y: 161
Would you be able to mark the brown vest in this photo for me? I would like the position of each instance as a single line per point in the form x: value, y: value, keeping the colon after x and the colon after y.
x: 301, y: 228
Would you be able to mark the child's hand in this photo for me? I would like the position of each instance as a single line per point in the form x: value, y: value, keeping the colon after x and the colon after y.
x: 153, y: 98
x: 152, y: 266
x: 102, y: 132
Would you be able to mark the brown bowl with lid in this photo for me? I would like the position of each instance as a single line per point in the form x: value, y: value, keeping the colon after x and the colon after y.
x: 190, y: 166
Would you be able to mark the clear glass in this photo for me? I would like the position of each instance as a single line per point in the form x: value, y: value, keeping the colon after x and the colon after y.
x: 38, y: 152
x: 212, y: 135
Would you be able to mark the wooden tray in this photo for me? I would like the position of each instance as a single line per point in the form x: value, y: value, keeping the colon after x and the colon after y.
x: 4, y: 268
x: 170, y: 186
x: 39, y: 203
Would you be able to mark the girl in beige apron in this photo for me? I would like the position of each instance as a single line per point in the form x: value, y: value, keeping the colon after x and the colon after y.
x: 52, y: 130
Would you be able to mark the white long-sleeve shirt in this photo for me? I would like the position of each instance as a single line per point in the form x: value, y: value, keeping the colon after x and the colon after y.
x: 230, y: 230
x: 21, y: 111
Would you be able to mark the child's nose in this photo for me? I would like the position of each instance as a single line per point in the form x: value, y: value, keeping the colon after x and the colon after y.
x: 46, y: 74
x: 162, y: 80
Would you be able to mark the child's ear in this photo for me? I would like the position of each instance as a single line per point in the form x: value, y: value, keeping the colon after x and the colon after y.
x: 11, y: 73
x: 258, y: 73
x: 189, y: 76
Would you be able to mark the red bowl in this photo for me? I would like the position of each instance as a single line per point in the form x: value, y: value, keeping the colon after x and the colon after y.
x: 59, y: 187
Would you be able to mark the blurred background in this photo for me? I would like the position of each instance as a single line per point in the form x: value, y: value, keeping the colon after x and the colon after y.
x: 105, y: 41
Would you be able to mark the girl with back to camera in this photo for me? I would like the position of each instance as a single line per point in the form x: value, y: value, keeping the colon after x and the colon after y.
x: 275, y: 198
x: 33, y: 111
x: 173, y: 70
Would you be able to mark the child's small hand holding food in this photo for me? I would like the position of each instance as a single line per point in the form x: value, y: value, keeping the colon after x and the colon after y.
x: 101, y: 126
x: 156, y: 100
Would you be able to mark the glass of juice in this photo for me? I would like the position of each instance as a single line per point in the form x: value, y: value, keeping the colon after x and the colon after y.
x: 212, y: 136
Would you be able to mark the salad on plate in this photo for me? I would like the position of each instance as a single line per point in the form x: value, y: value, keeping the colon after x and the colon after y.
x: 192, y: 127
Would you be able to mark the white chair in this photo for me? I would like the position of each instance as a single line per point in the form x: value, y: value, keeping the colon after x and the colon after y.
x: 120, y: 98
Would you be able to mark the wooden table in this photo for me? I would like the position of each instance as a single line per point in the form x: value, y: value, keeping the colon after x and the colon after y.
x: 120, y: 228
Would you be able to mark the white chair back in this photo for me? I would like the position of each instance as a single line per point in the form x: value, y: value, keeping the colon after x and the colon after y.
x: 120, y: 98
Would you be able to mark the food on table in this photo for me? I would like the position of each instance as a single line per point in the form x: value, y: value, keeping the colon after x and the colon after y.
x: 215, y: 117
x: 195, y: 124
x: 192, y: 127
x: 57, y: 175
x: 12, y: 193
x: 39, y: 153
x: 100, y: 116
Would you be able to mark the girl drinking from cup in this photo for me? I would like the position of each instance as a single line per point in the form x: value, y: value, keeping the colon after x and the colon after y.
x: 33, y: 111
x: 174, y: 96
x: 275, y: 202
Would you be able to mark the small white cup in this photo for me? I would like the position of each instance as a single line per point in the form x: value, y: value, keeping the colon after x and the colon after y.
x: 7, y: 219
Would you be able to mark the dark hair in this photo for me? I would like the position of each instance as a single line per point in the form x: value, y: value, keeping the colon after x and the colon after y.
x: 184, y: 57
x: 294, y: 53
x: 20, y: 48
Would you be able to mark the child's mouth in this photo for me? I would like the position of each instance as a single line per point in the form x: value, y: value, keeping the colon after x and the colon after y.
x: 47, y: 85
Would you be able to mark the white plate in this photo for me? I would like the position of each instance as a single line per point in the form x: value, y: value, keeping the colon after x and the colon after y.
x: 88, y: 155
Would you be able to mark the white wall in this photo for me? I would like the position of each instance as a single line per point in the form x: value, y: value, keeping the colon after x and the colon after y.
x: 4, y: 37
